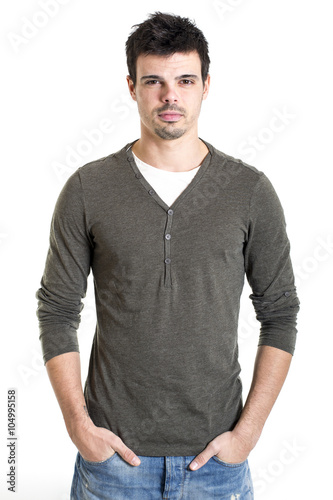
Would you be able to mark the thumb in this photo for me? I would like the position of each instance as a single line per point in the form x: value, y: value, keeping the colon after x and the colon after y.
x: 126, y: 453
x: 201, y: 459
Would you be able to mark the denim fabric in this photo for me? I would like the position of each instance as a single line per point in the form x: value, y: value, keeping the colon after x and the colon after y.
x: 159, y: 478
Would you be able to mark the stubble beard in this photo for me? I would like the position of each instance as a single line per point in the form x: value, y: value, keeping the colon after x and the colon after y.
x: 169, y: 134
x: 170, y: 131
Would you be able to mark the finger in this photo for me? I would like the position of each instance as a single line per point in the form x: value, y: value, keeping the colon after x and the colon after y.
x: 201, y: 459
x: 126, y: 453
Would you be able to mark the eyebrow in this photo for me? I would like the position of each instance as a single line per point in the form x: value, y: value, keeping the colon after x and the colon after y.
x: 156, y: 77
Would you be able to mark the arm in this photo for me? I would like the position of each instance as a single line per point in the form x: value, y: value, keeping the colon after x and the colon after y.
x: 94, y: 443
x: 270, y: 275
x: 63, y: 287
x: 270, y: 370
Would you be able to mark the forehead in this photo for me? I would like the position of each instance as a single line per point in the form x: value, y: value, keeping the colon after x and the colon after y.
x: 179, y: 62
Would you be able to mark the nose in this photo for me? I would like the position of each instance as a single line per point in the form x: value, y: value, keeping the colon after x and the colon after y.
x: 169, y: 94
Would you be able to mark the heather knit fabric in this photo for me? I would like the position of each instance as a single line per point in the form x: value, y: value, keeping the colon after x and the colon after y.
x: 164, y: 370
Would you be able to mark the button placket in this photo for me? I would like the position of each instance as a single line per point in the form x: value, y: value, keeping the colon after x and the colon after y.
x: 167, y: 249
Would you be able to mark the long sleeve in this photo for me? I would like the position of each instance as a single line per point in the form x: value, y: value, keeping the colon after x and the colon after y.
x: 269, y: 270
x: 64, y: 281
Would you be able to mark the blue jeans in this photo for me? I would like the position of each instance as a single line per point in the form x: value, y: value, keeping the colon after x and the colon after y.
x: 159, y: 478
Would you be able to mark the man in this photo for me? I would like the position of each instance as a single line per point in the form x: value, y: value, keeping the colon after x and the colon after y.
x: 169, y: 226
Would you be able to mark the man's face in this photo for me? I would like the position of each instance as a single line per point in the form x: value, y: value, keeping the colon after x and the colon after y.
x: 169, y: 92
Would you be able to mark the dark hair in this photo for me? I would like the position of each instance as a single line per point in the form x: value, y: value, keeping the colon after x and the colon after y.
x: 166, y: 34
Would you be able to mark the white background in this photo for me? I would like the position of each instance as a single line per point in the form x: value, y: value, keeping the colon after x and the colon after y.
x: 59, y: 81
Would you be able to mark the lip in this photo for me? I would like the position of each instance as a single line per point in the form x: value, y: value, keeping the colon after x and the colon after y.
x: 168, y: 116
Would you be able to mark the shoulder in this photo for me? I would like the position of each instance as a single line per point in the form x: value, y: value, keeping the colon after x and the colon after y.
x: 225, y: 160
x: 234, y: 172
x: 96, y: 177
x: 107, y: 165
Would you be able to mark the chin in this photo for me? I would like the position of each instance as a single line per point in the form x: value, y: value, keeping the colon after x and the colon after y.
x: 169, y: 135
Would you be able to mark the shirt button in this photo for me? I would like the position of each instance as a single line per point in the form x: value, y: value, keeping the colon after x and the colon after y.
x: 170, y: 212
x: 287, y: 294
x: 138, y: 176
x: 168, y: 236
x: 167, y: 261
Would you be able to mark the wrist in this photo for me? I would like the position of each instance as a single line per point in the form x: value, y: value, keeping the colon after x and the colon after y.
x: 247, y: 436
x: 78, y: 423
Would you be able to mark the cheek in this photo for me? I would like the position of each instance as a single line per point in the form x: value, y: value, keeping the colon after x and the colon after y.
x: 145, y: 110
x: 194, y: 105
x: 145, y: 103
x: 142, y: 105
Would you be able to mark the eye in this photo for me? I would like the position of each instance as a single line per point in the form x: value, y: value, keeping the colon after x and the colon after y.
x: 152, y: 82
x: 186, y: 82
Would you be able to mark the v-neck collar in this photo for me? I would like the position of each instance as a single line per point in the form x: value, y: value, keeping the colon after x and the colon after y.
x: 204, y: 165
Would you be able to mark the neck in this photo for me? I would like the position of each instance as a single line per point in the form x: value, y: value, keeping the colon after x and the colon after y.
x: 178, y: 155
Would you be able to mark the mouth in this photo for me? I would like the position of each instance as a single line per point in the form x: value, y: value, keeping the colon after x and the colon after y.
x: 169, y: 116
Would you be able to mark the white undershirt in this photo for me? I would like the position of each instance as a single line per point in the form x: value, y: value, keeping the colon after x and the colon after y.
x: 168, y: 185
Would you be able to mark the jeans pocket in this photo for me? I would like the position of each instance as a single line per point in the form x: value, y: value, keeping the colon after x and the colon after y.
x: 98, y: 464
x: 228, y: 464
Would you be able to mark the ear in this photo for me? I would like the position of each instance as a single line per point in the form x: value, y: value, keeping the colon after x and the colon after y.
x: 131, y: 87
x: 206, y: 88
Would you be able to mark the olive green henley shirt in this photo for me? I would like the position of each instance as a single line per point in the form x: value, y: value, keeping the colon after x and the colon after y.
x: 164, y: 370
